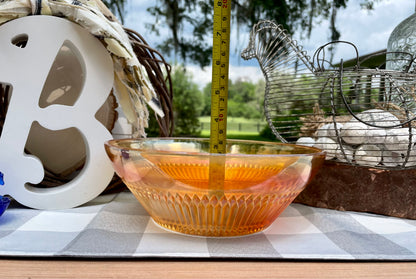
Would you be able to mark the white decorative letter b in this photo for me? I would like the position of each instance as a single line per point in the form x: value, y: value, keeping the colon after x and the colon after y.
x: 26, y: 70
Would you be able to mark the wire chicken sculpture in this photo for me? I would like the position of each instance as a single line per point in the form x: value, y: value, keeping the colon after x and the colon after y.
x: 359, y: 116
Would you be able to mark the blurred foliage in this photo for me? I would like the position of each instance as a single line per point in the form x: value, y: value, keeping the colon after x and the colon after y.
x: 117, y: 7
x: 245, y: 99
x: 187, y: 103
x: 191, y: 22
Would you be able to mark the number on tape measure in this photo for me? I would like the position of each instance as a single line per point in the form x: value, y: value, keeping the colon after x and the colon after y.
x: 220, y: 66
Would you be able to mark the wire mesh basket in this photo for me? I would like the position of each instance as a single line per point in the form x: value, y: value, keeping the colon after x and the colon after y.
x: 358, y: 115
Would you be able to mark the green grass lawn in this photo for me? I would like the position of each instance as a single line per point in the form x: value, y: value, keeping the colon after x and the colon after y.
x: 238, y: 135
x: 233, y: 120
x: 237, y: 128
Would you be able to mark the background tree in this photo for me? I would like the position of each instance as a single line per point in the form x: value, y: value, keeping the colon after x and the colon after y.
x: 117, y: 7
x: 245, y: 99
x: 259, y: 104
x: 242, y: 100
x: 187, y: 103
x: 206, y: 93
x: 190, y: 22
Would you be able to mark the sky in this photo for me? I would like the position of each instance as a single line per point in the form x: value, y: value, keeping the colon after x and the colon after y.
x: 368, y: 30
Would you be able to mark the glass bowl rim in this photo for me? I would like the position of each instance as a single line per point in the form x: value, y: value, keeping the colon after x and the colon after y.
x: 112, y: 144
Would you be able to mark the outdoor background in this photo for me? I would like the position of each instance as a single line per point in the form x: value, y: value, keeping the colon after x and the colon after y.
x: 366, y: 23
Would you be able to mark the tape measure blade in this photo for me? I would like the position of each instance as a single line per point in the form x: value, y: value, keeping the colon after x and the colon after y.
x: 220, y: 67
x: 219, y: 95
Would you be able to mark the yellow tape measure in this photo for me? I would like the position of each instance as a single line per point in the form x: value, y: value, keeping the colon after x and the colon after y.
x: 219, y: 95
x: 220, y: 63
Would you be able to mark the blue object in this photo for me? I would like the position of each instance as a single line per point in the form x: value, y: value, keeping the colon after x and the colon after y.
x: 4, y: 203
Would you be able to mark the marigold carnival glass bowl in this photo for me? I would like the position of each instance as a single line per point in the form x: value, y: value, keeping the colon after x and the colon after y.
x: 189, y: 190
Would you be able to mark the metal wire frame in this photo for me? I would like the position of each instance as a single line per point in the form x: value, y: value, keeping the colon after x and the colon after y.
x: 303, y: 95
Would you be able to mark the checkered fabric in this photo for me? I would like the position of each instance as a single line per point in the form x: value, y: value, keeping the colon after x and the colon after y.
x: 117, y: 226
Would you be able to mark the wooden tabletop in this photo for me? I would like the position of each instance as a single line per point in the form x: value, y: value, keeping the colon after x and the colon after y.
x: 64, y: 268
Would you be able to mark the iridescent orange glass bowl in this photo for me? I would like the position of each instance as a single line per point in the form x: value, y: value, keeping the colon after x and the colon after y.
x: 187, y: 189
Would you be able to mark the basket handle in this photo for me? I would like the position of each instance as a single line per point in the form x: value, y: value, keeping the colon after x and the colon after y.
x: 344, y: 100
x: 321, y: 52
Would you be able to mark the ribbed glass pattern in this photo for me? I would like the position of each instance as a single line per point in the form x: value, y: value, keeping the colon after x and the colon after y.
x: 199, y: 214
x: 181, y: 192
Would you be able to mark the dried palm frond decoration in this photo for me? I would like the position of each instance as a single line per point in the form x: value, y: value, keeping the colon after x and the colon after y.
x: 158, y: 72
x: 139, y: 70
x: 359, y: 115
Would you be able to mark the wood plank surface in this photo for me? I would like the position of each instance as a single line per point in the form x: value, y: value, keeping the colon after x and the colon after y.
x: 45, y: 269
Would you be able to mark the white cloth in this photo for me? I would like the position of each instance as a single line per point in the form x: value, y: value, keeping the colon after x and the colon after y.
x: 117, y: 226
